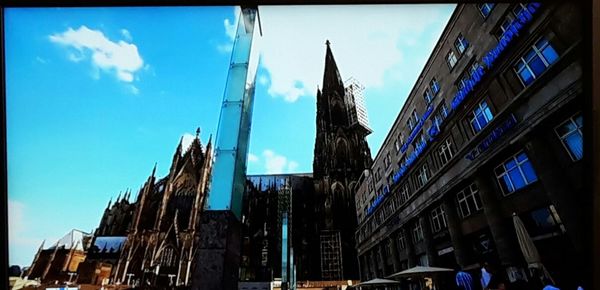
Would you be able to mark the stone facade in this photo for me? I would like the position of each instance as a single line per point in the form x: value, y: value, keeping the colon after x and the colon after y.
x: 510, y: 145
x: 162, y: 224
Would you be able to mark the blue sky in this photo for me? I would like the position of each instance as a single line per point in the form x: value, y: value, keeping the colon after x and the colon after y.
x: 96, y: 96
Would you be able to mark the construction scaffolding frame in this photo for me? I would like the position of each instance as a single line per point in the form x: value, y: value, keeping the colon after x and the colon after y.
x: 331, y: 255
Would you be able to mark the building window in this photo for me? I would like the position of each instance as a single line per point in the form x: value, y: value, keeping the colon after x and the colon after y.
x: 388, y: 249
x: 543, y: 222
x: 397, y: 144
x: 390, y: 178
x: 410, y: 124
x: 480, y: 117
x: 461, y: 44
x: 515, y: 173
x: 378, y: 175
x: 451, y: 59
x: 387, y: 160
x: 415, y: 116
x: 504, y: 26
x: 435, y: 86
x: 422, y: 175
x: 469, y: 201
x: 401, y: 240
x: 535, y: 61
x: 571, y: 136
x: 423, y: 261
x: 485, y: 9
x: 445, y: 151
x: 427, y: 96
x: 438, y: 219
x: 518, y: 9
x: 404, y: 193
x: 467, y: 75
x: 417, y: 232
x: 441, y: 114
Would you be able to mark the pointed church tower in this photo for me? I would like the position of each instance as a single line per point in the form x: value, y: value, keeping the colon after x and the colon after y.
x: 341, y: 155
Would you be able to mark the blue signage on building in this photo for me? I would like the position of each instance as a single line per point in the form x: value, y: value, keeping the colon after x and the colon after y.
x: 512, y: 31
x: 492, y: 137
x: 417, y: 129
x: 524, y: 17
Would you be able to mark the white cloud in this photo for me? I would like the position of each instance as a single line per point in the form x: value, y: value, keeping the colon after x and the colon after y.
x: 134, y: 90
x: 263, y: 80
x: 292, y: 166
x: 225, y: 48
x: 275, y: 163
x: 366, y: 42
x: 121, y: 57
x: 41, y: 60
x: 18, y: 225
x: 15, y: 219
x: 126, y: 34
x: 230, y: 28
x: 230, y: 25
x: 252, y: 157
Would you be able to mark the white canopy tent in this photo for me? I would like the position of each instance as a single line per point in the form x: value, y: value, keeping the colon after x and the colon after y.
x: 419, y: 271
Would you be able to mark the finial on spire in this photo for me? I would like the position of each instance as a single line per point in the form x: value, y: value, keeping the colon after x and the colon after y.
x: 197, y: 132
x: 154, y: 169
x: 109, y: 203
x: 119, y: 197
x: 327, y: 42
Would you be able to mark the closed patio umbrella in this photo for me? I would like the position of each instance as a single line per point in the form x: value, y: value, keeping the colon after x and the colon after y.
x: 530, y: 252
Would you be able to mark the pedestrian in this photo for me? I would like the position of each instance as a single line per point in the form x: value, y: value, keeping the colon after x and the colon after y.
x: 485, y: 276
x: 464, y: 280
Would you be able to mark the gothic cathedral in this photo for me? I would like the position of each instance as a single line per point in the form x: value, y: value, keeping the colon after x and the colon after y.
x: 341, y: 155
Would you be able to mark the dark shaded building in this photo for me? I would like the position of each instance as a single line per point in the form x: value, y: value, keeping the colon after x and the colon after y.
x: 106, y: 246
x: 163, y: 234
x: 341, y: 154
x: 60, y: 261
x: 262, y: 228
x: 491, y: 129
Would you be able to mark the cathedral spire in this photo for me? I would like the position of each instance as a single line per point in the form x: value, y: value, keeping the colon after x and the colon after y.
x: 179, y: 147
x: 331, y: 79
x: 41, y: 246
x: 154, y: 169
x: 109, y: 203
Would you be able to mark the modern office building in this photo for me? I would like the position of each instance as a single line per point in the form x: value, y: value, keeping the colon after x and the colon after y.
x: 492, y: 128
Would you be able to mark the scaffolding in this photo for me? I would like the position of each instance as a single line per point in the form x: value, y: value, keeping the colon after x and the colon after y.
x: 331, y: 255
x: 288, y: 269
x: 355, y: 100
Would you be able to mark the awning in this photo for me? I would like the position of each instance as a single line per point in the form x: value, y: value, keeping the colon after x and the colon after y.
x: 378, y: 281
x: 419, y: 271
